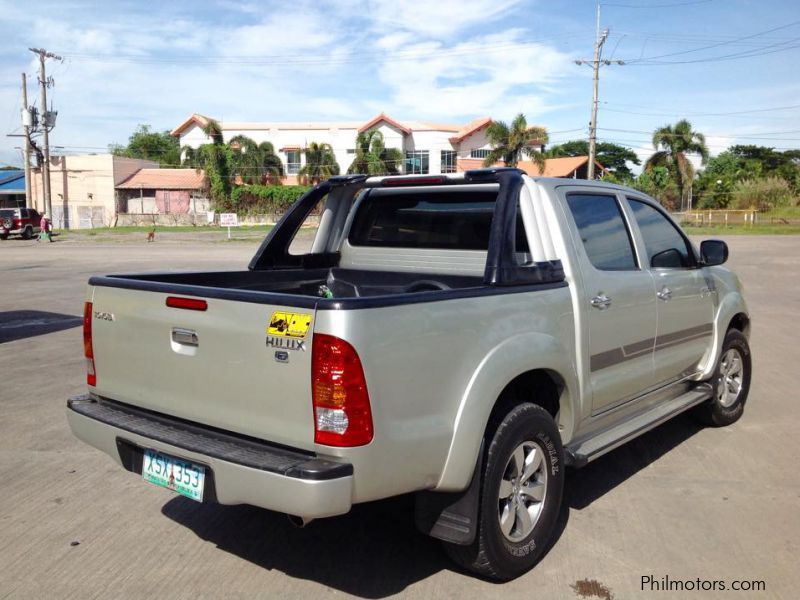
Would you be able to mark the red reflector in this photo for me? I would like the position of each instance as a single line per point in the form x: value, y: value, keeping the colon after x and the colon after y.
x: 342, y: 414
x: 403, y: 181
x: 88, y: 351
x: 187, y: 303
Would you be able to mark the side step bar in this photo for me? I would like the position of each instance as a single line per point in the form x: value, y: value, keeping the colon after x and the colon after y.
x: 585, y: 451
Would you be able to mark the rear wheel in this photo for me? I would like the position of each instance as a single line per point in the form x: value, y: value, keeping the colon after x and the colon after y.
x: 731, y: 382
x: 27, y: 233
x: 521, y: 488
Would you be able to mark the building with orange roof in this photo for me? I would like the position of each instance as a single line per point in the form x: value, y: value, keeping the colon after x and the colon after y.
x: 428, y: 148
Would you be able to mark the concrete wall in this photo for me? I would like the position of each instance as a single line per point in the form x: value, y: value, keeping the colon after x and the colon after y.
x: 82, y: 188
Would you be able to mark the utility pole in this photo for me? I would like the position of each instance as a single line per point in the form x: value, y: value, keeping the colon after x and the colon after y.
x: 600, y: 39
x: 26, y: 145
x: 598, y: 47
x: 47, y: 121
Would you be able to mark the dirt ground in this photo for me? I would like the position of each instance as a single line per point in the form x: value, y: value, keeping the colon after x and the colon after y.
x: 681, y: 501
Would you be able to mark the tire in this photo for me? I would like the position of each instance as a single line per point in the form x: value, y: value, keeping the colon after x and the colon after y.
x: 3, y: 236
x: 27, y: 233
x: 500, y: 555
x: 731, y: 382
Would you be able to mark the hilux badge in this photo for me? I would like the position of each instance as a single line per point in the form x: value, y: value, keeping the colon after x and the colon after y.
x: 285, y: 343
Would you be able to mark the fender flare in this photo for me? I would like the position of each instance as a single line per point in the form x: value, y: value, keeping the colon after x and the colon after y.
x: 732, y: 304
x: 500, y: 366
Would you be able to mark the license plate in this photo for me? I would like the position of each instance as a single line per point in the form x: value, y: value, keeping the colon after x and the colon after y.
x: 184, y: 477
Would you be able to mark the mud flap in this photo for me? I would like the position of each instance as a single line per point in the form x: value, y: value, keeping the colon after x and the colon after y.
x: 451, y: 516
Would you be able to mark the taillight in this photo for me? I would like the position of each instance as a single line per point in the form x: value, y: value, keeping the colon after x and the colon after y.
x: 342, y: 415
x: 407, y: 181
x: 187, y: 303
x: 88, y: 352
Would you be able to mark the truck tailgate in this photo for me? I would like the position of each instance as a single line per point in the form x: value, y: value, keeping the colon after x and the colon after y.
x: 207, y: 366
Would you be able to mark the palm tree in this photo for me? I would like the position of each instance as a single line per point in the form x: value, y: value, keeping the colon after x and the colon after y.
x: 271, y: 165
x: 254, y: 163
x: 672, y: 143
x: 511, y: 143
x: 213, y: 130
x: 373, y: 157
x: 320, y: 163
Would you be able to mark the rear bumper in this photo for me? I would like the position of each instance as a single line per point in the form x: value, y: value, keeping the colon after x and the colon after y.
x: 244, y: 471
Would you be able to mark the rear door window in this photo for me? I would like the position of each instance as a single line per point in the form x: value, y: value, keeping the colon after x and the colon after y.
x: 447, y: 220
x: 603, y: 231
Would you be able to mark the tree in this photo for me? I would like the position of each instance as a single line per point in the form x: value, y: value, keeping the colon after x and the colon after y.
x: 320, y: 163
x: 612, y: 156
x: 373, y: 157
x: 253, y: 163
x: 740, y: 163
x: 672, y: 143
x: 763, y: 194
x: 510, y: 143
x: 147, y: 144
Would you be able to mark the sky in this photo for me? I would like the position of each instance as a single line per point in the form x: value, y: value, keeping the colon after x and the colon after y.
x: 729, y: 66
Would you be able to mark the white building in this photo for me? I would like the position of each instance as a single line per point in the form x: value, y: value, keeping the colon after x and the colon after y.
x: 428, y: 147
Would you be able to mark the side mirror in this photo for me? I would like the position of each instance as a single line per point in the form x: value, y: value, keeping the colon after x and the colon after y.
x: 713, y: 252
x: 667, y: 259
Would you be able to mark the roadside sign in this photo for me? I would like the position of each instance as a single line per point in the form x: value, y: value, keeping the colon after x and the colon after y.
x: 229, y: 220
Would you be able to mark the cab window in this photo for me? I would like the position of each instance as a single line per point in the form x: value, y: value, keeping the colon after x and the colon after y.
x: 665, y: 244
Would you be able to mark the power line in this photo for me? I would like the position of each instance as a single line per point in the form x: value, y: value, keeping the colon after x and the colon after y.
x: 718, y: 44
x: 749, y: 135
x: 671, y: 4
x: 689, y: 114
x: 302, y: 60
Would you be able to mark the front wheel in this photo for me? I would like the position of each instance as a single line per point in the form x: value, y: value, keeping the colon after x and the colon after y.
x: 521, y: 488
x: 731, y: 382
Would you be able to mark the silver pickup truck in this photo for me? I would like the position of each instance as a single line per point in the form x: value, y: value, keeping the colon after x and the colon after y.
x: 463, y: 337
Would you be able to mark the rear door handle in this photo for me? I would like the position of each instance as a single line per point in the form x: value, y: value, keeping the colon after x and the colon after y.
x: 601, y: 302
x: 187, y: 337
x: 665, y: 293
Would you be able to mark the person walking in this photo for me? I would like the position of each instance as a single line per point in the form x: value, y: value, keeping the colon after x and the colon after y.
x: 45, y: 230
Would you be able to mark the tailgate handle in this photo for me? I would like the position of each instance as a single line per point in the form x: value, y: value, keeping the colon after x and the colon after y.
x: 187, y: 337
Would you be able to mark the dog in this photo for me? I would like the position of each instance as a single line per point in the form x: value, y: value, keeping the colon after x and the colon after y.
x: 151, y: 235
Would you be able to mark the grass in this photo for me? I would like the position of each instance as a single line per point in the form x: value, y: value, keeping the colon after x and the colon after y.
x: 165, y: 229
x: 756, y: 229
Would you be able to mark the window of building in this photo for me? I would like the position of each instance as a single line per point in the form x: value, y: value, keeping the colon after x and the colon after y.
x: 603, y: 231
x: 479, y: 153
x: 449, y: 161
x: 660, y: 234
x: 292, y: 162
x: 417, y: 161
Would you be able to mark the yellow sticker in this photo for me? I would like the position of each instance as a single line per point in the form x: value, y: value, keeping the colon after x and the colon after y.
x: 286, y: 324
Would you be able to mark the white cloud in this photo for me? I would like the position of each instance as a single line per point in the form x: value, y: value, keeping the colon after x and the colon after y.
x: 437, y: 19
x: 488, y: 74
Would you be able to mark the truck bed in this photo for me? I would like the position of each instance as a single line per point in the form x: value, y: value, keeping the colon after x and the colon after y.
x: 343, y: 283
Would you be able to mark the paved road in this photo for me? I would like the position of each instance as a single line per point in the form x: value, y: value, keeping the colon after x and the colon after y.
x: 681, y: 501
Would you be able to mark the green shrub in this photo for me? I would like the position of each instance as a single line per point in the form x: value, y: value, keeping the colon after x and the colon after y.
x: 265, y: 199
x: 763, y: 194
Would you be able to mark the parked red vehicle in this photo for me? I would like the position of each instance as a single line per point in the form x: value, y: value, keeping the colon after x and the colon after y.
x: 19, y: 221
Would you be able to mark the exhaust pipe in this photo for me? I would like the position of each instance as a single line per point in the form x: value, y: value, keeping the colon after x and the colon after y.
x: 298, y: 522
